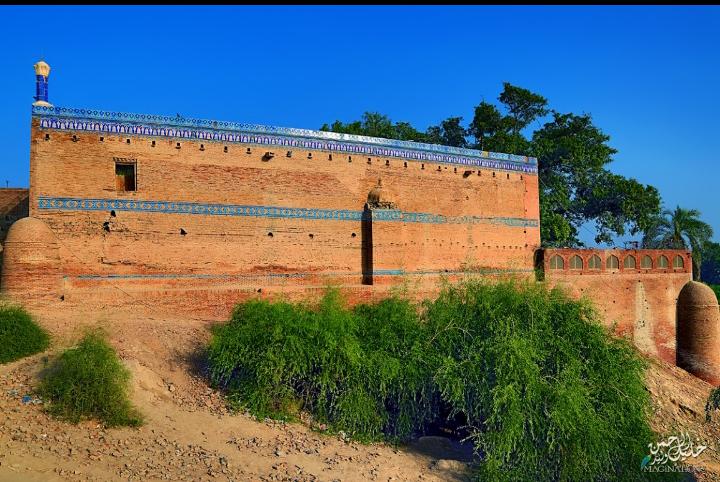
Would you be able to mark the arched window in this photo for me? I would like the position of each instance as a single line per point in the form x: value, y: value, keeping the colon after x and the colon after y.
x: 595, y: 262
x: 576, y: 262
x: 630, y: 262
x: 663, y: 262
x: 678, y: 262
x: 646, y: 262
x: 556, y: 262
x: 613, y: 262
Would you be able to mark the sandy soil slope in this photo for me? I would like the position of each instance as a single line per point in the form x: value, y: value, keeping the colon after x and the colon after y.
x: 188, y: 435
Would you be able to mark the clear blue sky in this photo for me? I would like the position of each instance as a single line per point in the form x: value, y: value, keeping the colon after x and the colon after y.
x: 649, y: 76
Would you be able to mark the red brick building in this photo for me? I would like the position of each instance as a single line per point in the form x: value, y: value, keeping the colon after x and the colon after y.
x: 195, y: 215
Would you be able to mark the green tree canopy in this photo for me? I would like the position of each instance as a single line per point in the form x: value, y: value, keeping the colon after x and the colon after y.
x: 679, y: 229
x: 576, y: 187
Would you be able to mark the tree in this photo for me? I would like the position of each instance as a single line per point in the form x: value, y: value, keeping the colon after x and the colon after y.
x: 486, y: 122
x: 576, y: 188
x: 450, y: 133
x: 375, y: 124
x: 680, y: 229
x: 524, y: 106
x: 710, y: 266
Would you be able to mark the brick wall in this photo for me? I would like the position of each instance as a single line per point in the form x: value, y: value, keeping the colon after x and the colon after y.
x: 144, y: 252
x: 641, y: 302
x: 13, y: 206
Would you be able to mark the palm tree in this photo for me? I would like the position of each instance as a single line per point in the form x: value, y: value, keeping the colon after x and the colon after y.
x: 679, y: 229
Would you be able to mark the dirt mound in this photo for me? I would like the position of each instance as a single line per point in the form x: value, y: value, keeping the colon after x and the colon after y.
x: 189, y: 433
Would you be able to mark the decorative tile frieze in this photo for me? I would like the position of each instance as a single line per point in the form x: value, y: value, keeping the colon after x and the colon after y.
x: 181, y: 207
x: 62, y: 118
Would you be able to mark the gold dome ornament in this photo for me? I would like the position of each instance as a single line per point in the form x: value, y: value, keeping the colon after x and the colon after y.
x: 42, y: 72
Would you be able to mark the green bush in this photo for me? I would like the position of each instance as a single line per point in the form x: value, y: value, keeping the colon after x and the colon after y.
x: 348, y: 368
x: 89, y: 381
x: 547, y: 393
x: 20, y: 336
x: 531, y: 376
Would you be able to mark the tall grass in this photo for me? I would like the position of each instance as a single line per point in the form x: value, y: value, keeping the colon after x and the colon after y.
x: 532, y: 377
x: 20, y: 336
x: 89, y: 382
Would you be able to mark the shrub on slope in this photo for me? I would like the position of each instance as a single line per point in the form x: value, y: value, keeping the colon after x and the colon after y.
x: 540, y: 386
x: 20, y: 336
x: 89, y: 381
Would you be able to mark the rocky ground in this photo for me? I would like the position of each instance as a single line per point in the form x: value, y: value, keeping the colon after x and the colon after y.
x: 188, y: 434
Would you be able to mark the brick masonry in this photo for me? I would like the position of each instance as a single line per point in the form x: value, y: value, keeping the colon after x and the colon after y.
x: 640, y: 302
x: 225, y: 218
x: 216, y: 219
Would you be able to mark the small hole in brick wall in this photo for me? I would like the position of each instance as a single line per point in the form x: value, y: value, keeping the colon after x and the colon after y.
x: 479, y: 173
x: 311, y: 235
x: 106, y: 226
x: 349, y: 158
x: 508, y: 176
x: 102, y: 139
x: 202, y: 147
x: 404, y: 164
x: 127, y: 141
x: 183, y: 232
x: 422, y: 166
x: 259, y: 290
x: 329, y: 157
x: 225, y: 149
x: 439, y: 168
x: 75, y: 139
x: 466, y: 174
x: 47, y: 137
x: 521, y: 177
x: 270, y: 235
x: 353, y: 235
x: 112, y: 214
x: 387, y: 163
x: 493, y: 173
x: 248, y: 151
x: 369, y: 160
x: 309, y: 155
x: 177, y: 145
x: 152, y: 144
x: 62, y: 297
x: 455, y: 170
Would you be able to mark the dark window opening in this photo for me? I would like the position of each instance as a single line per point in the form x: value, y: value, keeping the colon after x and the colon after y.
x: 153, y: 144
x: 183, y: 232
x: 124, y: 177
x: 127, y: 141
x: 112, y: 214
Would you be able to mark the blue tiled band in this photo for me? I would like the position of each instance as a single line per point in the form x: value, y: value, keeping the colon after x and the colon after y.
x: 174, y: 207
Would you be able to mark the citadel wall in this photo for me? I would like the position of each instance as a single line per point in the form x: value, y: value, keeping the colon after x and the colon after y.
x: 214, y: 220
x: 639, y: 301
